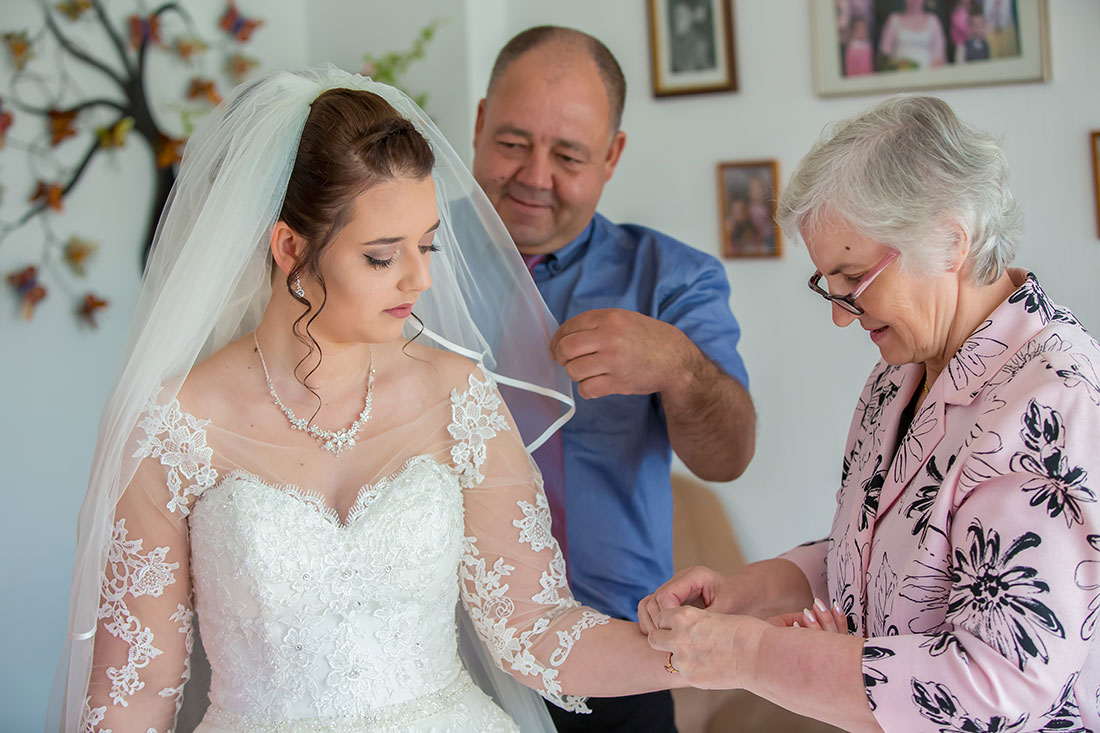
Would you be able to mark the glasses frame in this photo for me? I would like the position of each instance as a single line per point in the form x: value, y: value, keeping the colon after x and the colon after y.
x: 848, y: 301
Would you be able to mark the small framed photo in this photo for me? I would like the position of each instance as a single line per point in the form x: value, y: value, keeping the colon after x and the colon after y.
x: 747, y: 192
x: 875, y: 46
x: 691, y: 47
x: 1095, y: 144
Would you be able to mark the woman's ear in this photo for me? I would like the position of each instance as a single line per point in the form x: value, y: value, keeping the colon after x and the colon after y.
x: 960, y: 250
x: 286, y: 246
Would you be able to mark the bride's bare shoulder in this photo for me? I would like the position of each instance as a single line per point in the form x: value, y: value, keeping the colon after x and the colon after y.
x: 224, y: 382
x: 450, y: 369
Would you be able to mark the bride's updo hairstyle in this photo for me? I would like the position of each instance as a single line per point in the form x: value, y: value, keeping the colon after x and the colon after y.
x: 352, y: 140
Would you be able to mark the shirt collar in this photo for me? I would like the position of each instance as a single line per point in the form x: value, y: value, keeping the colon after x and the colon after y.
x: 570, y: 253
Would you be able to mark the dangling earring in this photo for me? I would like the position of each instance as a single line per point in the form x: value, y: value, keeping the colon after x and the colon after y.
x: 298, y: 287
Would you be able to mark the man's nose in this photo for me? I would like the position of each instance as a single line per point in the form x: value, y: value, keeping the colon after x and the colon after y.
x: 536, y: 171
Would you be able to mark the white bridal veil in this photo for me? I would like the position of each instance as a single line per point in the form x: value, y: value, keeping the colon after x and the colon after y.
x: 208, y: 281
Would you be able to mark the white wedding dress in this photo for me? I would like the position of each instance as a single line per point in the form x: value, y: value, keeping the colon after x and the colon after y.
x: 313, y: 621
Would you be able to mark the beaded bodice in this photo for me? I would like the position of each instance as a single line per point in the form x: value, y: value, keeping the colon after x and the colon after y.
x: 304, y: 615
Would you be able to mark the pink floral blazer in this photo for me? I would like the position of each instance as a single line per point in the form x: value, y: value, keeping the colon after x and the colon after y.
x: 967, y: 550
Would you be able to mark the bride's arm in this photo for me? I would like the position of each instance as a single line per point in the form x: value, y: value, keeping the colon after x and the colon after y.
x: 143, y: 638
x: 513, y: 575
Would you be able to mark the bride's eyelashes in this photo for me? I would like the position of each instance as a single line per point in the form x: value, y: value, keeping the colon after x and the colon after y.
x: 383, y: 264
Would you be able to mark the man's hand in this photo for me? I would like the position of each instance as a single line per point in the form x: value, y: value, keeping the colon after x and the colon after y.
x: 615, y: 351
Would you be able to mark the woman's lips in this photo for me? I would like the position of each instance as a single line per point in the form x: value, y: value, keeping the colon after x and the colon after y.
x: 879, y: 333
x: 401, y: 311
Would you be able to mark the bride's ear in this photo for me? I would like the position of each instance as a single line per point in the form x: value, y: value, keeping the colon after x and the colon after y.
x: 286, y: 246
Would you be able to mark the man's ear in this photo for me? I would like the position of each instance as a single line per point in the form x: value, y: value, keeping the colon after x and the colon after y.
x: 614, y: 151
x: 286, y: 246
x: 479, y: 123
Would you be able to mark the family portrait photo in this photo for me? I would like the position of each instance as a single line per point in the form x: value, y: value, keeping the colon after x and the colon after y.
x: 865, y: 46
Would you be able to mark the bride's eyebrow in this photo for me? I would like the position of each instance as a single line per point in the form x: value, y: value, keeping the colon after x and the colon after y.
x: 398, y: 240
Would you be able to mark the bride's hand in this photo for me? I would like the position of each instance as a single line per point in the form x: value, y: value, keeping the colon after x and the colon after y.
x: 816, y: 617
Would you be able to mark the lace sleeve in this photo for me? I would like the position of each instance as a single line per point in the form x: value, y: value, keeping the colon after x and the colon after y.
x: 513, y: 580
x: 143, y: 638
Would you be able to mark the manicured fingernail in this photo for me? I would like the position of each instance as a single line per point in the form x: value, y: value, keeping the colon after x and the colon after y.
x: 837, y: 608
x: 796, y: 625
x: 820, y: 606
x: 809, y: 616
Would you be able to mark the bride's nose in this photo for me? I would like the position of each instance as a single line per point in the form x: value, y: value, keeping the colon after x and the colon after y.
x: 417, y: 276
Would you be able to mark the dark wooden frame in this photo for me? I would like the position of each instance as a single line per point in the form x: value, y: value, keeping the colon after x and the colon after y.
x: 723, y: 14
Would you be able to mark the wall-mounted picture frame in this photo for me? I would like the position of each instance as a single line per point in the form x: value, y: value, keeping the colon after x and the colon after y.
x: 691, y: 47
x: 877, y: 46
x: 1094, y: 139
x: 747, y: 193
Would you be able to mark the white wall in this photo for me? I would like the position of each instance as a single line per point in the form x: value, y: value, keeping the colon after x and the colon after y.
x: 805, y: 373
x: 56, y: 374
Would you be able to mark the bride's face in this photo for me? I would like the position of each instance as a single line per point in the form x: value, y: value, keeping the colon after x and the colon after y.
x: 378, y: 264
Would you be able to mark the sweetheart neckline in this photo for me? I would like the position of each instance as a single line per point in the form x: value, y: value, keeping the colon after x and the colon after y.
x: 316, y: 499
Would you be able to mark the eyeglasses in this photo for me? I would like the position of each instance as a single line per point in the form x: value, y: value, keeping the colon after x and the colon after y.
x: 848, y: 302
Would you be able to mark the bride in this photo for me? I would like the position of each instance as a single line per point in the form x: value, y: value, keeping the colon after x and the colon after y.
x: 316, y: 473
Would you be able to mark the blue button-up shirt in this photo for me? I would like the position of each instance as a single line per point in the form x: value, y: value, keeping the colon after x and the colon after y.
x: 616, y: 449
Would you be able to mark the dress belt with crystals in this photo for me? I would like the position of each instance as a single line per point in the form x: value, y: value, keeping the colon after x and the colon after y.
x: 408, y: 711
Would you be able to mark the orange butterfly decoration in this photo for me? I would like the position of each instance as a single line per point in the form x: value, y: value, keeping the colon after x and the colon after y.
x: 20, y: 48
x: 73, y: 9
x: 236, y: 25
x: 77, y: 253
x: 6, y: 118
x: 89, y: 307
x: 62, y: 125
x: 204, y: 88
x: 114, y: 137
x: 238, y: 65
x: 169, y: 150
x: 187, y: 47
x: 25, y: 282
x: 50, y: 193
x: 144, y: 30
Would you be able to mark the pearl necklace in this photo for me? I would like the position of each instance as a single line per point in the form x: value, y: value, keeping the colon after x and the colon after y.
x: 334, y: 441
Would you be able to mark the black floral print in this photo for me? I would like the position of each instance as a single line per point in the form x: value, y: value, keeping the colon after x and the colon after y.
x: 1087, y: 577
x: 999, y: 602
x: 937, y: 703
x: 970, y: 361
x: 1036, y: 301
x: 872, y: 490
x: 1081, y: 372
x: 872, y: 676
x: 912, y: 446
x: 921, y: 507
x: 1057, y: 483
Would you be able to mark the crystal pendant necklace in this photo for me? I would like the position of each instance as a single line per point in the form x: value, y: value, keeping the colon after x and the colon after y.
x: 334, y: 441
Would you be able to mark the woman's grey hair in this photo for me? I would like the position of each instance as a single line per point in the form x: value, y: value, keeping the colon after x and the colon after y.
x: 906, y: 172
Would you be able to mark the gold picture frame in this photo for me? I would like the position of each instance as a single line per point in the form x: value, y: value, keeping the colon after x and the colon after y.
x: 747, y: 194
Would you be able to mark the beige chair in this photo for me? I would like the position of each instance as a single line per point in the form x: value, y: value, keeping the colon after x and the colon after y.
x: 702, y: 536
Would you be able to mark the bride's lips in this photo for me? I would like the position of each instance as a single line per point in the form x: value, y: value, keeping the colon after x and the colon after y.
x: 878, y: 334
x: 401, y: 311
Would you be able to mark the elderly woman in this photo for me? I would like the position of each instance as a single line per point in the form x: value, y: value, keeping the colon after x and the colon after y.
x: 963, y: 561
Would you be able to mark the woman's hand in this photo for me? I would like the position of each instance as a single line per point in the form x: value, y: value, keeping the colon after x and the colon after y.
x: 816, y: 617
x: 696, y: 586
x: 709, y: 650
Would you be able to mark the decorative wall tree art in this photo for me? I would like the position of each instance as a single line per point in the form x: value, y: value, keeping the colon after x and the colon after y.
x: 69, y: 118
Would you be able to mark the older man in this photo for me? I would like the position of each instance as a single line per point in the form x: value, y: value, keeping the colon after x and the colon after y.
x: 647, y: 333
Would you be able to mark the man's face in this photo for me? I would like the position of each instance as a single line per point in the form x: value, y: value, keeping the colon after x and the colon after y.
x: 543, y: 147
